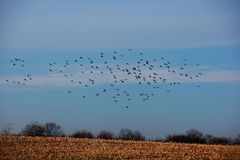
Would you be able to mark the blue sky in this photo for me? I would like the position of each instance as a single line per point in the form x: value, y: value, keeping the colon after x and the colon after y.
x: 43, y: 32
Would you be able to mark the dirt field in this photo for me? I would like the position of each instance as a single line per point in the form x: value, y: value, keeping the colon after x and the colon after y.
x: 73, y: 148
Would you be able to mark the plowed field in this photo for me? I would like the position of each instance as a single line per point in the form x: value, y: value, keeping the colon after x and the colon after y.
x: 37, y: 148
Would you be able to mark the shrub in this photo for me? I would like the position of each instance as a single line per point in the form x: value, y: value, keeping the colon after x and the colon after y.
x: 176, y: 138
x: 158, y: 139
x: 219, y: 140
x: 191, y: 136
x: 105, y: 135
x: 83, y: 134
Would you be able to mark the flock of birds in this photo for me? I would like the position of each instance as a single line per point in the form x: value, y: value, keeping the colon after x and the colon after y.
x: 117, y: 73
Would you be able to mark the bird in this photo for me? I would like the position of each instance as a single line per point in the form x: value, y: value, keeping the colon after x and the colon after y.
x: 147, y: 73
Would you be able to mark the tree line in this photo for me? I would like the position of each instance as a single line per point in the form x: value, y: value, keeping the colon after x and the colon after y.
x: 51, y: 129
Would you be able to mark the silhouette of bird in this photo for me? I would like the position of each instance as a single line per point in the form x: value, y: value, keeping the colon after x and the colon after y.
x: 147, y: 73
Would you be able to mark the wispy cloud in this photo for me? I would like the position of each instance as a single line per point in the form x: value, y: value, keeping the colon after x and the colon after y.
x: 220, y: 76
x: 120, y: 24
x: 80, y: 79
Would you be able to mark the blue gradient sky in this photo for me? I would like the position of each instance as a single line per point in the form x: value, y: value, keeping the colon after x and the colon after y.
x: 204, y: 32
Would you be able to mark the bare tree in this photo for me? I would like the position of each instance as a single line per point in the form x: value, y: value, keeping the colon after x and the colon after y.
x: 127, y: 134
x: 51, y: 129
x: 195, y: 136
x: 191, y: 136
x: 237, y: 140
x: 33, y: 129
x: 7, y: 130
x: 194, y: 133
x: 208, y: 138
